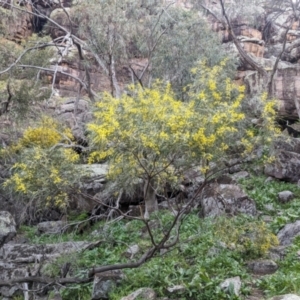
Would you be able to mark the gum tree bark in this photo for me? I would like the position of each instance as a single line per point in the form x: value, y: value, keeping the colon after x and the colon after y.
x: 151, y: 204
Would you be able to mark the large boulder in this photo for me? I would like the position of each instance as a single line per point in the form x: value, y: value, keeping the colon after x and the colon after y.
x: 17, y: 24
x: 24, y: 253
x: 142, y: 293
x: 75, y: 113
x: 262, y: 267
x: 287, y: 234
x: 286, y: 163
x: 51, y: 227
x: 217, y: 199
x: 286, y: 166
x: 286, y: 88
x: 104, y: 283
x: 20, y: 260
x: 286, y: 297
x: 7, y: 227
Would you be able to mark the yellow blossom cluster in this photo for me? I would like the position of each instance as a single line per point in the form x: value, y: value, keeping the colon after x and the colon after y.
x: 253, y: 239
x: 268, y: 114
x: 70, y: 155
x: 44, y: 175
x: 43, y: 172
x: 148, y: 130
x: 267, y: 130
x: 46, y: 135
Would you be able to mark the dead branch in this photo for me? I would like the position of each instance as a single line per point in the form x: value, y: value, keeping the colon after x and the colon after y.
x: 61, y: 72
x: 270, y: 83
x: 5, y: 105
x: 70, y: 37
x: 244, y: 55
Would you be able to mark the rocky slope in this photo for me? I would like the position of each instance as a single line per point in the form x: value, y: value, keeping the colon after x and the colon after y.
x: 264, y: 41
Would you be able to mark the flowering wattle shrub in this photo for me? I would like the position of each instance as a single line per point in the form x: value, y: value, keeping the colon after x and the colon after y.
x: 149, y: 135
x: 45, y: 172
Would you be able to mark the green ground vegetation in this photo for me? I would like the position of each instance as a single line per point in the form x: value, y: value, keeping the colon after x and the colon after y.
x: 209, y: 250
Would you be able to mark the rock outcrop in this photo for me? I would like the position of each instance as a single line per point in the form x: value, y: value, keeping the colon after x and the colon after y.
x: 104, y: 284
x: 20, y: 260
x: 286, y: 163
x: 16, y: 23
x: 7, y: 227
x: 75, y: 113
x: 142, y: 293
x: 219, y: 198
x: 286, y: 297
x: 263, y: 267
x: 51, y: 227
x: 287, y: 234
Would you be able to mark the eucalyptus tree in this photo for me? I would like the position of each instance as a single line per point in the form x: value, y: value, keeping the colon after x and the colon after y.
x: 116, y: 36
x: 277, y: 16
x: 21, y: 83
x: 187, y: 38
x: 167, y: 39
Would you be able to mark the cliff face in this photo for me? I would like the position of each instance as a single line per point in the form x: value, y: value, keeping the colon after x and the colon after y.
x: 16, y: 25
x: 267, y: 34
x: 262, y: 36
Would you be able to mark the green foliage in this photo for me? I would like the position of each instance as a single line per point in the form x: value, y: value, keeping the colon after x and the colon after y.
x: 186, y: 39
x: 77, y: 291
x: 249, y: 237
x: 203, y: 258
x: 198, y: 263
x: 30, y: 233
x: 26, y: 85
x: 266, y: 194
x: 149, y: 136
x: 78, y: 217
x: 250, y: 11
x: 107, y: 26
x: 286, y: 280
x: 18, y: 297
x: 165, y: 37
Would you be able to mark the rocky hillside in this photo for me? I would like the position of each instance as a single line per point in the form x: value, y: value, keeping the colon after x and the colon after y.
x: 149, y: 149
x: 262, y: 34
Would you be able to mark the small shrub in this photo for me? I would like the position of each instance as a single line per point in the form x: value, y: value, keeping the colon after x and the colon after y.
x: 286, y: 279
x: 77, y: 291
x: 266, y: 193
x: 44, y: 173
x: 251, y: 238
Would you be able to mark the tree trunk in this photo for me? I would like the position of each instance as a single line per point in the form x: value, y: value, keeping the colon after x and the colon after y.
x: 151, y: 204
x: 297, y: 104
x: 115, y: 89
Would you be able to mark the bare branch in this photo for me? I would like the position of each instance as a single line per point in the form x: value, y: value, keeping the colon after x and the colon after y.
x: 22, y: 54
x: 244, y: 55
x: 61, y: 72
x: 270, y: 83
x: 212, y: 13
x: 5, y: 105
